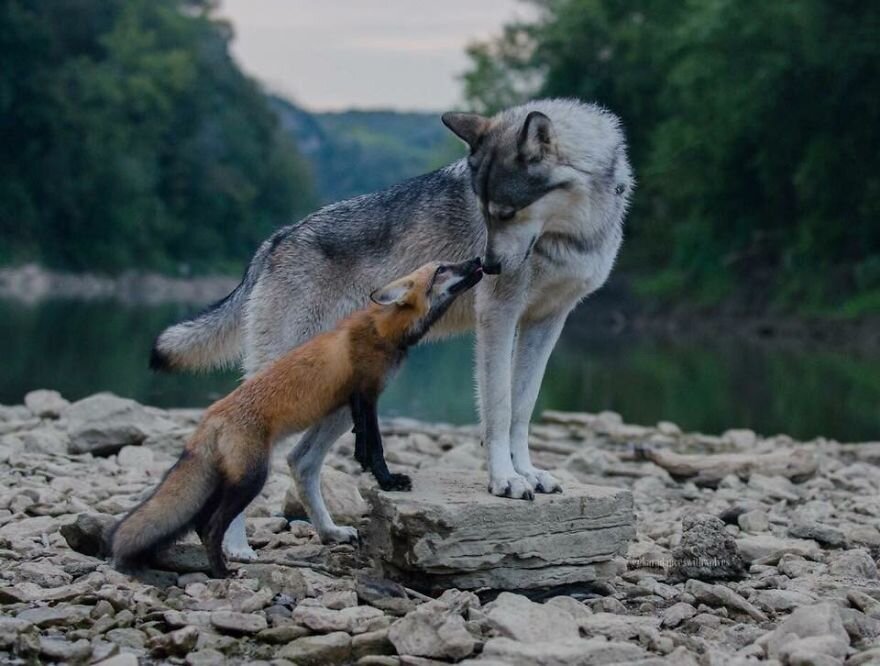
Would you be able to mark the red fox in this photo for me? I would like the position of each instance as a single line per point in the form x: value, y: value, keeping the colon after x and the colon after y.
x: 225, y: 463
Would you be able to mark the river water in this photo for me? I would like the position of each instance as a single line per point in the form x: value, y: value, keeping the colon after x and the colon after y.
x: 707, y: 384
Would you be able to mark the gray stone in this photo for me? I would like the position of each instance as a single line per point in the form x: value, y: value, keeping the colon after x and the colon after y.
x: 46, y: 616
x: 45, y: 404
x: 371, y: 643
x: 824, y: 534
x: 769, y: 548
x: 577, y: 652
x: 88, y: 533
x: 820, y: 621
x: 58, y: 649
x: 104, y: 423
x: 238, y: 623
x: 436, y: 628
x: 514, y: 616
x: 719, y: 595
x: 855, y: 563
x: 778, y: 601
x: 355, y: 620
x: 332, y: 648
x: 706, y: 551
x: 450, y: 532
x: 127, y: 637
x: 177, y: 643
x: 205, y: 657
x: 676, y: 614
x: 754, y: 521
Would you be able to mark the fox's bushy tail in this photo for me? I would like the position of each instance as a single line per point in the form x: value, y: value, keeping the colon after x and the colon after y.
x: 167, y: 512
x: 212, y: 339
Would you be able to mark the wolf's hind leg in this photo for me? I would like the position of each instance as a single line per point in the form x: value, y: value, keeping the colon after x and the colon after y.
x: 305, y: 462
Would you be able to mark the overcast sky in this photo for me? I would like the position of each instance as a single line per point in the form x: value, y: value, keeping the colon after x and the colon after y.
x: 336, y: 54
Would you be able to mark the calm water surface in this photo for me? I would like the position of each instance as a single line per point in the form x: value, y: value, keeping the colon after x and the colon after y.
x: 706, y: 384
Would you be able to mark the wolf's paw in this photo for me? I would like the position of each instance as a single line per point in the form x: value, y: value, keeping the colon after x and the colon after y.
x: 515, y: 487
x: 396, y: 482
x: 240, y: 553
x: 541, y: 481
x: 339, y: 534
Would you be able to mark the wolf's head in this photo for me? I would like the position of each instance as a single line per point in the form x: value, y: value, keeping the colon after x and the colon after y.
x: 526, y: 168
x: 419, y: 299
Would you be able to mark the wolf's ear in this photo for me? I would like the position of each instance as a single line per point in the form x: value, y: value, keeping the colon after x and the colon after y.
x: 393, y: 293
x: 468, y: 127
x: 537, y: 138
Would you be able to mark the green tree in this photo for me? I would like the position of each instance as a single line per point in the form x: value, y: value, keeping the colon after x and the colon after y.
x: 754, y: 130
x: 129, y: 139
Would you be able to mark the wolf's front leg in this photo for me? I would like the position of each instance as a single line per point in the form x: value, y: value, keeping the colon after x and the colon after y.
x: 496, y: 330
x: 533, y: 346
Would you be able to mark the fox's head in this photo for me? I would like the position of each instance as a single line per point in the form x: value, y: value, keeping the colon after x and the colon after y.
x: 419, y: 299
x: 526, y: 168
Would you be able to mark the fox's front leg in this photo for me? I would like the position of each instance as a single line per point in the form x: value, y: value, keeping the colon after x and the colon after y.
x: 368, y: 444
x: 533, y: 346
x: 496, y: 331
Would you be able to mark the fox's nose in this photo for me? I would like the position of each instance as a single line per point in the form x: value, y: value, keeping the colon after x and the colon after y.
x: 491, y: 267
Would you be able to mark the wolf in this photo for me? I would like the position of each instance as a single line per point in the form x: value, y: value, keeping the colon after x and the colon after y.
x: 542, y: 196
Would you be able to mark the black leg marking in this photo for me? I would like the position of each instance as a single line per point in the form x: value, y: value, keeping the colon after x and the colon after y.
x: 369, y: 437
x: 360, y: 429
x: 233, y: 500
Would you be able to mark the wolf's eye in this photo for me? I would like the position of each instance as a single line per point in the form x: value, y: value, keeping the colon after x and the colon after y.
x: 441, y: 270
x: 506, y: 214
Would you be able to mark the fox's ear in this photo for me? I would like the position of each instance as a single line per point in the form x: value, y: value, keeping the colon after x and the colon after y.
x: 393, y: 293
x: 537, y: 137
x: 469, y: 127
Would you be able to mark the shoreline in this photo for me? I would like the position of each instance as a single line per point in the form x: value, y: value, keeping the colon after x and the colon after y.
x: 614, y: 308
x: 746, y: 549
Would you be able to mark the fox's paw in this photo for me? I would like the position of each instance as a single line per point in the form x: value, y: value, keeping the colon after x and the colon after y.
x: 396, y: 482
x: 541, y: 481
x: 339, y: 534
x: 240, y: 553
x: 515, y: 487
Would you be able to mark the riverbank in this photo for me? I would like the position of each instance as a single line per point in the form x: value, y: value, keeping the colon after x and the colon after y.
x: 746, y: 548
x: 32, y: 284
x: 615, y: 308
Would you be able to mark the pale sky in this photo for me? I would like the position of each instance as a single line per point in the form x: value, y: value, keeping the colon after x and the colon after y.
x: 336, y: 54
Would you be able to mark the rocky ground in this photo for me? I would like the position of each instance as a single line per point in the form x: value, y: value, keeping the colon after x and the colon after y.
x: 747, y: 550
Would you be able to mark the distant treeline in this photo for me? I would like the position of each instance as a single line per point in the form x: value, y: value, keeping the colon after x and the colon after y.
x: 354, y: 152
x: 754, y: 130
x: 130, y: 139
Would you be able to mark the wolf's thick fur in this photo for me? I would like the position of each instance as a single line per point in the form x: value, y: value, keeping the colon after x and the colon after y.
x: 225, y: 463
x: 543, y: 193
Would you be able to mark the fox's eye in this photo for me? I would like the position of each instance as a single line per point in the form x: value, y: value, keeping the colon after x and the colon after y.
x: 441, y: 270
x: 506, y: 214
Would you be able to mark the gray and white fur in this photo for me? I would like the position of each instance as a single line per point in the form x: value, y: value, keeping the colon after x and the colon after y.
x: 542, y: 196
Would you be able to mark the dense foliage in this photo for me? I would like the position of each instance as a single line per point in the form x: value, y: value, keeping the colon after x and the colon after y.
x: 130, y: 139
x: 754, y: 130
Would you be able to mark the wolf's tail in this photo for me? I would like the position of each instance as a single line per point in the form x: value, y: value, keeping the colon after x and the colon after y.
x: 168, y: 512
x: 212, y: 339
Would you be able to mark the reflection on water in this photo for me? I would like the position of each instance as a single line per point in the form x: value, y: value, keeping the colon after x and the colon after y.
x: 706, y: 384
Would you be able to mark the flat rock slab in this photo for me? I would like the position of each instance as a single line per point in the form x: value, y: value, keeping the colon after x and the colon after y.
x: 449, y: 532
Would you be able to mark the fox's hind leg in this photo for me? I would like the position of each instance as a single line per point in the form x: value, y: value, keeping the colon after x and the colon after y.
x: 305, y: 462
x: 235, y: 497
